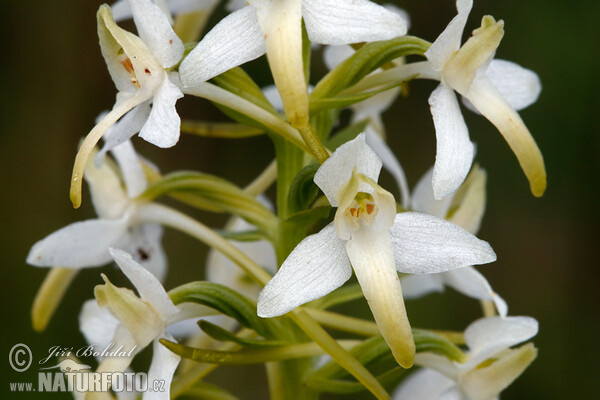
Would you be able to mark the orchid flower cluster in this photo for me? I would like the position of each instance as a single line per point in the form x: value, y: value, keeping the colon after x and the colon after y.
x: 275, y: 271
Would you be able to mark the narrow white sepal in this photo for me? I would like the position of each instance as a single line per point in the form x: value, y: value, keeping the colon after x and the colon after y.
x: 235, y: 40
x: 424, y: 245
x: 454, y: 154
x: 337, y: 22
x: 163, y: 366
x: 148, y: 287
x: 317, y: 266
x: 79, y: 245
x: 425, y: 384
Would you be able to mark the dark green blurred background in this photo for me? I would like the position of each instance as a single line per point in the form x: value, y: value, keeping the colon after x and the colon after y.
x: 54, y: 83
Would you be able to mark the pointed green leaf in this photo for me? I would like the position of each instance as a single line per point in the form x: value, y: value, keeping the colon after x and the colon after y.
x: 223, y: 335
x: 339, y: 386
x: 342, y: 101
x: 226, y: 130
x: 224, y: 300
x: 303, y: 190
x: 366, y: 60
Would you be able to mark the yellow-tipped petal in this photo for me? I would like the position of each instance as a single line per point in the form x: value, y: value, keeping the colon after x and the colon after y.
x: 281, y: 24
x: 49, y: 296
x: 460, y: 71
x: 372, y: 258
x: 489, y: 102
x: 90, y: 141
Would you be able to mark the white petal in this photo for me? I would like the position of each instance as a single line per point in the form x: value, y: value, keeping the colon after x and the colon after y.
x: 454, y: 154
x: 235, y: 40
x: 97, y: 324
x: 108, y: 197
x: 489, y: 101
x: 233, y: 5
x: 374, y: 106
x: 343, y: 22
x: 424, y: 245
x: 390, y: 163
x: 131, y: 169
x: 398, y: 11
x: 187, y: 6
x: 424, y: 384
x: 337, y: 170
x: 120, y: 132
x: 468, y: 203
x: 144, y: 245
x: 472, y: 283
x: 438, y: 363
x: 520, y: 86
x: 317, y: 266
x: 148, y: 287
x: 488, y: 336
x: 414, y: 286
x: 334, y: 55
x: 121, y: 10
x: 162, y: 126
x: 443, y: 48
x: 424, y: 201
x: 155, y: 30
x: 163, y: 366
x: 80, y: 245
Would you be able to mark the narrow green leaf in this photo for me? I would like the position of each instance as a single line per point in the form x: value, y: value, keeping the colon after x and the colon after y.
x: 342, y: 101
x: 214, y: 192
x: 242, y: 236
x: 223, y: 335
x: 338, y: 296
x: 237, y: 81
x: 303, y: 220
x: 293, y: 351
x: 339, y: 386
x: 219, y: 129
x: 224, y: 300
x: 366, y: 60
x: 427, y: 341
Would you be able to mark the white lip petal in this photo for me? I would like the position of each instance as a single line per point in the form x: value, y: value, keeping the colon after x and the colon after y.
x: 454, y: 154
x: 472, y: 283
x: 121, y: 131
x: 97, y: 324
x: 424, y: 201
x: 235, y: 40
x: 131, y: 169
x: 424, y: 245
x: 317, y: 266
x: 339, y: 22
x: 415, y: 286
x: 79, y: 245
x: 443, y: 48
x: 520, y: 86
x: 163, y: 366
x: 489, y: 101
x: 487, y: 336
x: 149, y: 288
x: 155, y: 30
x: 424, y: 384
x: 337, y: 169
x: 162, y: 126
x: 144, y: 245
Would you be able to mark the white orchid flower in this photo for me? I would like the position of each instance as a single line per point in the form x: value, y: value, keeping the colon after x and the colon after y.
x: 139, y: 67
x: 275, y: 27
x: 85, y: 244
x: 492, y: 366
x: 122, y: 9
x: 495, y: 88
x: 465, y: 208
x: 141, y: 321
x: 368, y: 236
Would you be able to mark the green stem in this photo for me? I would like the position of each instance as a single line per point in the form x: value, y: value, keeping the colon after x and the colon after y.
x: 338, y: 353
